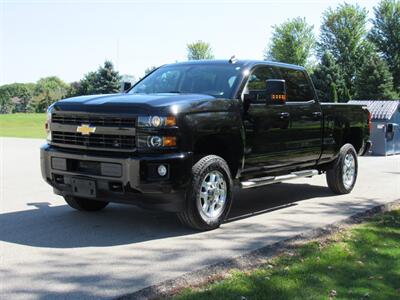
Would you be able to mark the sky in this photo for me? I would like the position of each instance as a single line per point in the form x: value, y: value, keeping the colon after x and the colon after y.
x: 70, y: 38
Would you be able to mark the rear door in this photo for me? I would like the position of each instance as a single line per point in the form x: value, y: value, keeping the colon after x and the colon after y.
x: 305, y: 131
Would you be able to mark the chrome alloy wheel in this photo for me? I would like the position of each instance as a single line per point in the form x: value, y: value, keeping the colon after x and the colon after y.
x: 212, y: 197
x: 349, y: 170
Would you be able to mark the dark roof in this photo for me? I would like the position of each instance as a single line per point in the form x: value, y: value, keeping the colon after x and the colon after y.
x: 239, y: 62
x: 380, y: 109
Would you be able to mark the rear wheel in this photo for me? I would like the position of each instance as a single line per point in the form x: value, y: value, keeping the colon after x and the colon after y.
x: 209, y: 197
x: 342, y: 177
x: 85, y: 204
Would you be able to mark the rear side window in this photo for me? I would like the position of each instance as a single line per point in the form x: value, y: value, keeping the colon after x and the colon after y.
x: 298, y: 88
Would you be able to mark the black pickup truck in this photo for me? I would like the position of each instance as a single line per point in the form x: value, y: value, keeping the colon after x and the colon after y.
x: 184, y: 135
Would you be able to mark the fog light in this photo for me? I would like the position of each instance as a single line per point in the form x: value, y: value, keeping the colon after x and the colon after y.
x: 59, y: 163
x: 162, y: 170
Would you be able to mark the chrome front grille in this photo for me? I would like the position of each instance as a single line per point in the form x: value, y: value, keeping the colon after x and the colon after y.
x: 110, y: 134
x: 94, y: 140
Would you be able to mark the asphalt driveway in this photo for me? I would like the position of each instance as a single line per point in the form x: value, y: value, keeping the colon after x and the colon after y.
x: 48, y: 250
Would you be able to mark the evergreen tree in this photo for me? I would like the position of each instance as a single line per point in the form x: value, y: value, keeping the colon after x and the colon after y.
x: 385, y: 34
x: 292, y: 42
x: 199, y: 50
x: 87, y: 84
x: 74, y: 88
x: 107, y: 79
x: 374, y: 81
x: 343, y: 35
x: 346, y: 96
x: 103, y: 81
x: 328, y: 80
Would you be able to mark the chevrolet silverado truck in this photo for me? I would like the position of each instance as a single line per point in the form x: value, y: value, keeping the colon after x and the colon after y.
x: 184, y: 135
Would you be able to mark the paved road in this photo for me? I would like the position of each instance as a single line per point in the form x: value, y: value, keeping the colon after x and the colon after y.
x: 51, y: 251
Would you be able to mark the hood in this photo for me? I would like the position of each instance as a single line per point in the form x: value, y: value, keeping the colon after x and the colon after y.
x: 131, y: 103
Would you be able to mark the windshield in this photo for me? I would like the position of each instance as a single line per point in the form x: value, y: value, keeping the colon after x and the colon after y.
x: 215, y: 80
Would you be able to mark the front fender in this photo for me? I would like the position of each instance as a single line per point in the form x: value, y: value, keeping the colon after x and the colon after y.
x: 217, y: 132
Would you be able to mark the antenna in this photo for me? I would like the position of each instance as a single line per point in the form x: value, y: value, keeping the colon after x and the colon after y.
x: 233, y: 59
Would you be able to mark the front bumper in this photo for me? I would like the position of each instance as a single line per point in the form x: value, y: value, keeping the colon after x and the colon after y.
x: 129, y: 179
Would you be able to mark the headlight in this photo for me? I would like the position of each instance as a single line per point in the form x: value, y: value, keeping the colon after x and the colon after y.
x: 156, y: 121
x: 154, y: 141
x: 48, y: 123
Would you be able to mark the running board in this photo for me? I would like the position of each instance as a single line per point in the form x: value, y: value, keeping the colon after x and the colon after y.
x: 256, y: 182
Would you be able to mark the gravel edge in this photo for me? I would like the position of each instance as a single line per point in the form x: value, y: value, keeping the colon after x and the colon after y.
x: 251, y: 259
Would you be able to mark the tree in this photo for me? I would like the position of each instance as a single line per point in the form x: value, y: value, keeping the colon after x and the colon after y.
x: 328, y: 80
x: 86, y: 86
x: 343, y: 35
x: 5, y: 101
x: 15, y: 97
x: 199, y: 50
x: 375, y: 81
x: 105, y: 80
x: 48, y: 90
x: 346, y: 96
x: 74, y: 89
x: 333, y: 93
x: 385, y: 34
x: 292, y: 42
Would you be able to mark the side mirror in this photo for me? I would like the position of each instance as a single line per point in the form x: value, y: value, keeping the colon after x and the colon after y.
x: 125, y: 86
x: 275, y: 91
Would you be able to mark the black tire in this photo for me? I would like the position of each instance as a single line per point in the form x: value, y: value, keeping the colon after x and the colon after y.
x: 335, y: 175
x: 192, y: 216
x: 85, y: 204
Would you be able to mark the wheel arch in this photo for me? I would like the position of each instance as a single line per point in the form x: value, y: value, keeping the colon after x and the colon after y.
x: 355, y: 137
x: 227, y: 146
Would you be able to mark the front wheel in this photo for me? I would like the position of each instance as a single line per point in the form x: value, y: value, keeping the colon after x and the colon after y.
x: 209, y: 196
x: 85, y: 204
x: 342, y: 177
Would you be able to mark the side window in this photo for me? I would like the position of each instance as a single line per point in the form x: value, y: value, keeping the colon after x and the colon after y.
x: 256, y: 87
x: 297, y: 86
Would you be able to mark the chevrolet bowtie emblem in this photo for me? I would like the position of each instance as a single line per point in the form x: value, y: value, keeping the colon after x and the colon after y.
x: 85, y: 129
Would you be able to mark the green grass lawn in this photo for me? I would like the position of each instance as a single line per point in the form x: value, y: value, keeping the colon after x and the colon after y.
x: 30, y: 125
x: 360, y: 263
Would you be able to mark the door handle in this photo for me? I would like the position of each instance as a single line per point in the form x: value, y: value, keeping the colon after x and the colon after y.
x: 284, y: 115
x: 317, y: 114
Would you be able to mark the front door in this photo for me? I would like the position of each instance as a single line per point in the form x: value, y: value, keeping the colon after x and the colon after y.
x: 281, y: 135
x: 267, y: 126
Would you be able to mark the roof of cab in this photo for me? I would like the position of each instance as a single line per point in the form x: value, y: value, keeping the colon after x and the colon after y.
x: 243, y: 63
